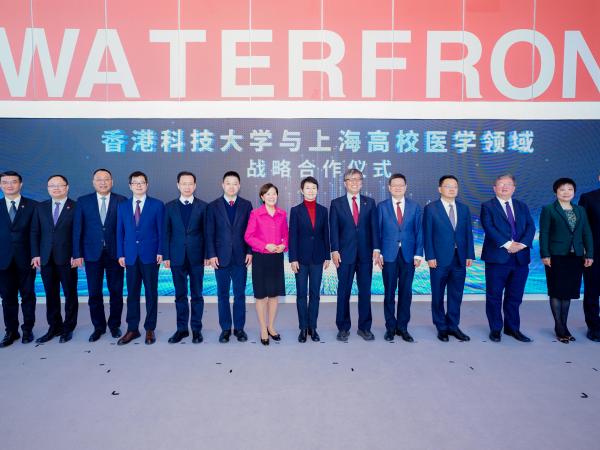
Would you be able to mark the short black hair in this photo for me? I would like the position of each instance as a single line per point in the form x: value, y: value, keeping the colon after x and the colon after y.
x: 11, y: 173
x: 506, y: 175
x: 136, y: 174
x: 265, y: 188
x: 232, y: 173
x: 396, y: 176
x: 446, y: 177
x: 561, y: 182
x: 102, y: 170
x: 185, y: 173
x: 59, y: 176
x: 312, y: 180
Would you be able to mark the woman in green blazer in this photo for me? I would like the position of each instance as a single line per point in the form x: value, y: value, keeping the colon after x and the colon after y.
x: 566, y: 248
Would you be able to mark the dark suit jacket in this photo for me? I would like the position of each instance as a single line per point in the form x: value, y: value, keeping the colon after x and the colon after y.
x: 355, y: 243
x: 556, y: 237
x: 144, y: 240
x: 497, y: 231
x: 89, y: 235
x: 14, y: 237
x: 48, y: 239
x: 409, y: 234
x: 179, y: 240
x: 440, y: 238
x: 224, y: 240
x: 308, y: 245
x: 591, y: 202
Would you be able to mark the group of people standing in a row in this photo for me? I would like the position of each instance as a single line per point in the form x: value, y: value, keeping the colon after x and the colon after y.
x: 106, y: 233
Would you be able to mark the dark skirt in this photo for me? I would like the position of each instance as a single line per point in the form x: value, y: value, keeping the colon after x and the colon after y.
x: 268, y: 278
x: 564, y: 277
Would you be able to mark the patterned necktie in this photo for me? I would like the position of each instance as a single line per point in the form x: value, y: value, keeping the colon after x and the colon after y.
x: 56, y: 212
x: 452, y: 217
x: 103, y: 210
x: 511, y: 220
x: 12, y: 212
x: 399, y: 213
x: 355, y: 210
x: 231, y: 203
x: 138, y: 212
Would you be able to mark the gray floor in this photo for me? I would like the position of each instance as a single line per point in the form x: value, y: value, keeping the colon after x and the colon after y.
x: 359, y: 395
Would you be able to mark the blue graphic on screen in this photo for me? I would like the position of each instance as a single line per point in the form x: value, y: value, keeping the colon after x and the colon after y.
x: 284, y: 151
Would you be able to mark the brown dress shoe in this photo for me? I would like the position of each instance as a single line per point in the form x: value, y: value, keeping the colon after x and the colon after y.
x: 129, y: 336
x: 150, y: 338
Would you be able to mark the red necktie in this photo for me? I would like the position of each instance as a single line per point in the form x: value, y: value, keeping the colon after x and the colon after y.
x: 399, y: 213
x: 355, y: 210
x: 231, y: 202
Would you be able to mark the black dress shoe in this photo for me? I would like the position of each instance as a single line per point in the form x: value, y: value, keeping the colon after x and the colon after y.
x: 27, y: 337
x: 389, y: 335
x: 314, y: 336
x: 459, y: 335
x: 150, y: 337
x: 365, y: 334
x: 302, y: 335
x: 129, y: 336
x: 495, y: 336
x: 517, y: 335
x: 51, y: 334
x: 443, y: 336
x: 405, y: 335
x: 178, y: 336
x: 9, y: 338
x: 224, y: 336
x: 96, y: 335
x: 591, y: 335
x: 197, y: 337
x: 240, y: 335
x: 342, y: 336
x: 116, y: 332
x: 275, y: 337
x: 66, y: 337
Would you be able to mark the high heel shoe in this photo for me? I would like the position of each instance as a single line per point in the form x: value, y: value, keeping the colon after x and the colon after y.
x: 264, y: 341
x: 275, y: 337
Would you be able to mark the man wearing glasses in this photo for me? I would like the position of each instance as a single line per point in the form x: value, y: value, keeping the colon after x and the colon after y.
x: 449, y: 250
x: 139, y: 249
x: 354, y: 240
x: 94, y: 244
x: 16, y: 274
x: 52, y: 251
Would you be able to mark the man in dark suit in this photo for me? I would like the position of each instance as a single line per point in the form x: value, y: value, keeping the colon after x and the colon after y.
x: 16, y: 274
x: 52, y: 251
x: 401, y: 237
x: 229, y: 255
x: 509, y: 232
x: 95, y: 245
x: 449, y: 250
x: 140, y: 221
x: 354, y: 239
x: 591, y: 275
x: 183, y: 253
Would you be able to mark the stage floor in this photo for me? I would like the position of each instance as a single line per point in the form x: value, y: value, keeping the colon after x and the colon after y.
x: 328, y: 395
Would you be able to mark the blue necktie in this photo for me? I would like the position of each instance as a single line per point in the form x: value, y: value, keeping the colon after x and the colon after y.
x: 511, y: 220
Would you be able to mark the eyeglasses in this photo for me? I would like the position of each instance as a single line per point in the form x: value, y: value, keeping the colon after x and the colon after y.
x: 138, y: 183
x: 102, y: 180
x: 56, y: 186
x: 452, y: 186
x: 501, y: 185
x: 353, y: 180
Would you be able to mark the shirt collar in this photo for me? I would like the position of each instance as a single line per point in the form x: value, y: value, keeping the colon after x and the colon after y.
x: 183, y: 199
x: 401, y: 201
x: 16, y: 200
x: 227, y: 200
x: 62, y: 202
x: 349, y: 196
x: 447, y: 204
x: 503, y: 202
x: 99, y: 197
x: 143, y: 199
x: 263, y: 211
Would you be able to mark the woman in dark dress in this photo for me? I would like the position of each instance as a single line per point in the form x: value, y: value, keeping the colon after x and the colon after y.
x: 566, y: 248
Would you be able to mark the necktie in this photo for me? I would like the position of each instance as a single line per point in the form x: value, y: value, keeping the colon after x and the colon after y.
x: 13, y: 211
x: 56, y: 212
x: 399, y: 213
x: 231, y: 203
x: 187, y: 202
x: 103, y: 210
x: 138, y: 212
x: 452, y: 217
x: 511, y: 220
x: 355, y: 210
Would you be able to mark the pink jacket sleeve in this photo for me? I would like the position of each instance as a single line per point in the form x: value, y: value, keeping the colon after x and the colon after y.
x: 253, y: 235
x: 284, y: 232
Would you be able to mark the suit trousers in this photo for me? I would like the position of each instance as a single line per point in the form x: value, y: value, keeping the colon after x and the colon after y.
x: 137, y: 274
x: 180, y: 274
x: 94, y: 271
x: 450, y: 278
x: 308, y: 289
x: 591, y: 293
x: 233, y: 274
x: 54, y: 276
x: 15, y: 281
x: 364, y: 273
x: 506, y: 280
x: 397, y: 275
